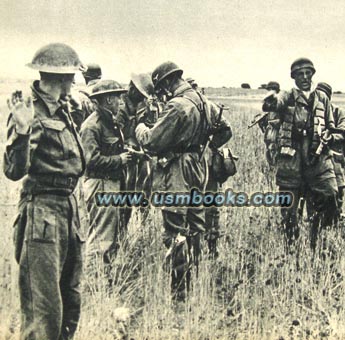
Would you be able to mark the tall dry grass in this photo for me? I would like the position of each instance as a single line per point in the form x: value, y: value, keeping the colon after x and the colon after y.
x: 253, y: 290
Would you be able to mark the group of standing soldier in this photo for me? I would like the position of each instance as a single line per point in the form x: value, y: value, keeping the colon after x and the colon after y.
x: 154, y: 135
x: 304, y: 136
x: 108, y: 138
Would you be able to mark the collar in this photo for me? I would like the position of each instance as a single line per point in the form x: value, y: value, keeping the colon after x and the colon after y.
x: 131, y: 108
x: 300, y: 97
x: 181, y: 89
x: 48, y: 100
x: 92, y: 82
x: 106, y: 115
x: 306, y: 94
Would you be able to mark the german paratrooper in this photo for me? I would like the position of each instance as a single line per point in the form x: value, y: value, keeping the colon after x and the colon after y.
x: 304, y: 161
x: 177, y: 139
x: 337, y: 146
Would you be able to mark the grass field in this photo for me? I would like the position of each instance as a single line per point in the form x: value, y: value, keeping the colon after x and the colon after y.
x: 253, y: 290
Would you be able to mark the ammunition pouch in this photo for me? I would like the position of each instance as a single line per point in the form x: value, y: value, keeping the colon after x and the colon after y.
x: 223, y: 165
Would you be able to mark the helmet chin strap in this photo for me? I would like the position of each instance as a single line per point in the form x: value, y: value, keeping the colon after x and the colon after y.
x: 167, y: 93
x: 167, y: 90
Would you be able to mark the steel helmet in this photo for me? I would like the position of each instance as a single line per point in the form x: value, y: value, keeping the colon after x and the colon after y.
x: 326, y: 88
x: 107, y: 86
x: 164, y: 70
x: 273, y: 85
x: 301, y: 63
x: 143, y: 83
x: 93, y: 71
x: 56, y: 58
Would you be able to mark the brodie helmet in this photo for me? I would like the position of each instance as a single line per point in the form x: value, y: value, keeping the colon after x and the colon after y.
x: 93, y: 71
x: 56, y: 58
x: 107, y: 86
x: 143, y: 83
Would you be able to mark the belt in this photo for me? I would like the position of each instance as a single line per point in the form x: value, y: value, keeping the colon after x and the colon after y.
x: 102, y: 175
x: 192, y: 148
x: 56, y: 181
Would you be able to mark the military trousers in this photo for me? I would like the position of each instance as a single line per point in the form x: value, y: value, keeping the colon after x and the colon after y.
x: 107, y: 226
x: 48, y: 247
x: 181, y: 175
x: 339, y: 172
x: 139, y: 178
x: 321, y: 204
x: 212, y: 216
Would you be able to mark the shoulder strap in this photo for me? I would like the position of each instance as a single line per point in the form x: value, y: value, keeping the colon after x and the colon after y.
x: 85, y: 93
x: 203, y: 108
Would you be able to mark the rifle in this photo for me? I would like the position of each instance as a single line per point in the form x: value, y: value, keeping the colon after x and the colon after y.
x: 149, y: 113
x: 324, y: 139
x: 139, y: 154
x: 212, y: 131
x: 257, y: 119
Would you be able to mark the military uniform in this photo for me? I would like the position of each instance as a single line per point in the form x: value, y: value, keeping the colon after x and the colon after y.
x: 139, y: 173
x: 270, y: 126
x: 127, y: 121
x: 49, y: 229
x: 103, y: 143
x: 338, y: 153
x: 177, y: 140
x: 87, y: 104
x: 222, y: 135
x: 302, y: 121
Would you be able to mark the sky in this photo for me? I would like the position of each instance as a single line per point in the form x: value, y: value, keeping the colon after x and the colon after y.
x: 218, y: 43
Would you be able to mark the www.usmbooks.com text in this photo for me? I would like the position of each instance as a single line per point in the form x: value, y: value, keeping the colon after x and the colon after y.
x: 194, y: 198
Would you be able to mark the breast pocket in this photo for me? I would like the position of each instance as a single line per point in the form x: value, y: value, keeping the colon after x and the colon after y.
x: 62, y: 144
x: 111, y: 146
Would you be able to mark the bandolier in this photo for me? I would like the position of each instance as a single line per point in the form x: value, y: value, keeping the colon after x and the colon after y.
x: 304, y: 163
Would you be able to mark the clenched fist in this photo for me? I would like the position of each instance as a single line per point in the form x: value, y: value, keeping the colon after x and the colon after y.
x: 22, y: 111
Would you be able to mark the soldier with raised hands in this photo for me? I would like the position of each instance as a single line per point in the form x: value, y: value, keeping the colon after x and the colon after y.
x: 43, y: 147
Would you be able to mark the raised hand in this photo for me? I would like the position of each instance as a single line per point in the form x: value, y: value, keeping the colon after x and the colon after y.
x: 22, y: 111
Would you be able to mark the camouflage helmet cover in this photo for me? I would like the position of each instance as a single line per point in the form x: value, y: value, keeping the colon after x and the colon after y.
x: 164, y: 70
x: 56, y: 58
x: 190, y: 80
x: 326, y: 88
x: 273, y: 85
x: 107, y: 87
x: 143, y: 83
x: 93, y: 71
x: 301, y: 63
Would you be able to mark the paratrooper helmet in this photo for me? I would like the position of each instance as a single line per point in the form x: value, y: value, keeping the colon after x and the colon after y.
x: 164, y: 70
x: 301, y: 63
